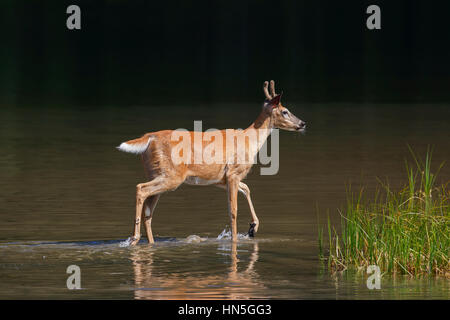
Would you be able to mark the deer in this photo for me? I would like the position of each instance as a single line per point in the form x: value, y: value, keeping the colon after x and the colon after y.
x: 164, y: 174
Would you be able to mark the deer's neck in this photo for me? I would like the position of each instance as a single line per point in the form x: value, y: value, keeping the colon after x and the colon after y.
x: 263, y: 127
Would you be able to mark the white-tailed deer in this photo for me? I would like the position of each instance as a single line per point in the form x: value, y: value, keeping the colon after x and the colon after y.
x: 158, y: 149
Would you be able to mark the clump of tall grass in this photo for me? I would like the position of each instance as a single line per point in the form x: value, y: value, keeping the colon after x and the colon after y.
x: 405, y: 231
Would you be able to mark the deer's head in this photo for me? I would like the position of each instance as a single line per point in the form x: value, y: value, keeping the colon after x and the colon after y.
x: 282, y: 118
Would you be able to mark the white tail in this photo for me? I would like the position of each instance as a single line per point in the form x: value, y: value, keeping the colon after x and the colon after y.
x: 136, y: 146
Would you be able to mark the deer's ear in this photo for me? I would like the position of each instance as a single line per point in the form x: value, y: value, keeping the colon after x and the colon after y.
x: 276, y: 100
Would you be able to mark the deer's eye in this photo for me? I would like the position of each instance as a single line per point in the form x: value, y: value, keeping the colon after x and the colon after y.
x: 285, y: 113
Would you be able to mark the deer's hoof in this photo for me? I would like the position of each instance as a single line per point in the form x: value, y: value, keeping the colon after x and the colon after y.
x: 133, y: 241
x: 251, y: 230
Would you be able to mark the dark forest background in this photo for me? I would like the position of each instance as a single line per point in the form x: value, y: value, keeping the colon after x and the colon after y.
x: 145, y: 52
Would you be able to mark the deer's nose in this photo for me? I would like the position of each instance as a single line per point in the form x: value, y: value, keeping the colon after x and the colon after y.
x: 302, y: 124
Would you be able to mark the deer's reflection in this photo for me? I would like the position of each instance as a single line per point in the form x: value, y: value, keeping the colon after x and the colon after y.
x: 153, y: 283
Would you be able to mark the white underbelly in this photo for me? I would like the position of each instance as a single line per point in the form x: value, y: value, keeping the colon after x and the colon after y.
x: 199, y: 181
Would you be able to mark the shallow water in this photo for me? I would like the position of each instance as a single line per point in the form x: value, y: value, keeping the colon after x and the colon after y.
x: 67, y: 197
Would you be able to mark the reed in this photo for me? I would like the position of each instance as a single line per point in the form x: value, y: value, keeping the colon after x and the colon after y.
x: 402, y: 232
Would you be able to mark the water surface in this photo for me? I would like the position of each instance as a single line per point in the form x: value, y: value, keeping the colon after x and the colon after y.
x: 67, y: 197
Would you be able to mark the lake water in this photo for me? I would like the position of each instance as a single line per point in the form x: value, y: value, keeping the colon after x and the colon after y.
x: 67, y: 197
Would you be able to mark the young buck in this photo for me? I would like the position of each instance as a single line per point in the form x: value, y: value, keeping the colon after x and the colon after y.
x: 158, y: 149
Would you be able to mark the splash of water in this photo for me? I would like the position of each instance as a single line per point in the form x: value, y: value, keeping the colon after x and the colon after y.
x: 126, y: 243
x: 226, y: 235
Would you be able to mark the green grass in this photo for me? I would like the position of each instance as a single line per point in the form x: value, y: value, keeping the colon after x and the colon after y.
x: 402, y: 232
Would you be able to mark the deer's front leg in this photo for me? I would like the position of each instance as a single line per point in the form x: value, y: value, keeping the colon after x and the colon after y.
x: 233, y: 188
x: 255, y: 221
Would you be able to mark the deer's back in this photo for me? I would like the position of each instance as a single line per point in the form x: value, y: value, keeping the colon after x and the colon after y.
x: 158, y: 159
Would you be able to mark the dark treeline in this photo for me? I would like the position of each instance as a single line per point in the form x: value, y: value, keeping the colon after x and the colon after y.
x: 144, y: 52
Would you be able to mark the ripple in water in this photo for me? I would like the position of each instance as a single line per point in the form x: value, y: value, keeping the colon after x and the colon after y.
x: 224, y: 235
x: 194, y: 239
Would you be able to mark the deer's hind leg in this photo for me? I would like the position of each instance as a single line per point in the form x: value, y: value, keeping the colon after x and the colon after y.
x: 147, y: 214
x: 146, y: 190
